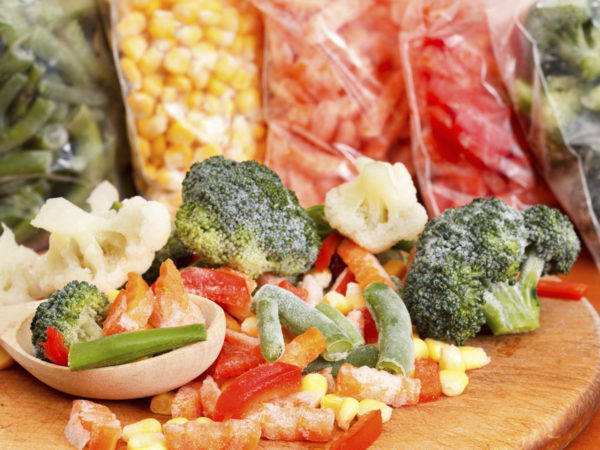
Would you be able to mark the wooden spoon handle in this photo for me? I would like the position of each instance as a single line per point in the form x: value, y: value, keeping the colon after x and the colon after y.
x: 12, y: 316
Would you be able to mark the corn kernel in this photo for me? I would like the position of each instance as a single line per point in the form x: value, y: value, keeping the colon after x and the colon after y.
x: 228, y: 109
x: 354, y: 295
x: 203, y: 420
x: 369, y: 404
x: 451, y: 358
x: 208, y: 150
x: 153, y: 85
x: 111, y: 294
x: 151, y: 127
x: 434, y: 347
x: 225, y: 68
x: 474, y: 357
x: 247, y: 101
x: 131, y: 24
x: 158, y: 145
x: 241, y: 80
x: 208, y: 18
x: 151, y: 61
x: 421, y: 350
x: 179, y: 82
x: 169, y: 95
x: 205, y: 54
x: 162, y: 24
x: 5, y: 359
x: 189, y: 35
x: 394, y: 267
x: 180, y: 134
x: 146, y: 6
x: 199, y: 77
x: 164, y: 45
x: 212, y: 5
x: 322, y: 277
x: 134, y: 46
x: 143, y: 426
x: 163, y: 177
x: 161, y: 403
x: 315, y: 383
x: 332, y: 401
x: 147, y: 441
x: 219, y: 37
x: 176, y: 156
x: 131, y: 73
x: 149, y: 170
x: 194, y: 100
x: 180, y: 420
x: 250, y: 326
x: 346, y: 412
x: 454, y: 382
x: 237, y: 45
x: 230, y: 19
x: 141, y: 104
x: 338, y: 301
x: 186, y: 12
x: 143, y: 147
x: 216, y: 87
x: 177, y: 60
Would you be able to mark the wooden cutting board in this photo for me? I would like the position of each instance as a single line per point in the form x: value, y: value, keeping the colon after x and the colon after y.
x: 539, y: 390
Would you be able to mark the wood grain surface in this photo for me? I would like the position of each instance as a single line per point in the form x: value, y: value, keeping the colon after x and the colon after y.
x: 539, y: 391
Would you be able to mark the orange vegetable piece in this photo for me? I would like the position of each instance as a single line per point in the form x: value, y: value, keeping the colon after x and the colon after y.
x: 232, y: 434
x: 132, y: 307
x: 93, y: 426
x: 304, y: 348
x: 363, y: 264
x: 187, y: 401
x: 300, y: 423
x: 362, y: 434
x: 209, y: 394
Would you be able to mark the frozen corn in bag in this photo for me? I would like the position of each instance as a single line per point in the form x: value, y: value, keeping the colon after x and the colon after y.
x: 190, y: 74
x: 466, y: 141
x: 334, y: 89
x: 60, y: 111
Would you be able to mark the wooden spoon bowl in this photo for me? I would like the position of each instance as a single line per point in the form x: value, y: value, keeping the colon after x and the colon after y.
x: 143, y: 378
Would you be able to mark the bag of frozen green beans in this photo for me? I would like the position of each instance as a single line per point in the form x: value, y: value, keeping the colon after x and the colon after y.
x: 61, y: 114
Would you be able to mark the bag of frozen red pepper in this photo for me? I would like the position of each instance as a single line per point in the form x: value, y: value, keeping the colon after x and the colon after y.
x: 465, y: 139
x: 334, y: 90
x: 549, y: 55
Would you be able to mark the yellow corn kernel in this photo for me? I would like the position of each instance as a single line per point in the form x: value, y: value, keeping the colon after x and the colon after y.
x: 147, y: 441
x: 332, y: 401
x: 177, y: 60
x: 247, y: 101
x: 131, y: 24
x: 153, y: 85
x: 354, y: 295
x: 237, y: 45
x: 143, y: 426
x: 225, y: 68
x: 186, y: 12
x: 179, y: 82
x: 228, y: 109
x: 5, y: 359
x: 161, y: 403
x: 454, y: 382
x: 140, y: 104
x: 369, y: 404
x: 216, y: 87
x: 434, y: 346
x: 180, y: 134
x: 158, y: 145
x: 338, y: 301
x: 250, y: 326
x: 394, y: 267
x: 208, y: 17
x: 230, y: 19
x: 346, y: 412
x: 199, y: 77
x: 451, y: 358
x: 316, y: 384
x: 150, y: 171
x: 150, y: 61
x: 134, y: 47
x: 208, y: 150
x: 153, y: 126
x: 194, y: 100
x: 163, y: 177
x: 169, y: 95
x: 218, y: 36
x: 474, y: 357
x: 143, y: 147
x: 205, y: 54
x: 131, y: 73
x: 111, y: 294
x: 322, y: 277
x: 241, y: 80
x: 212, y: 5
x: 203, y: 419
x: 146, y: 6
x: 421, y: 350
x: 177, y: 156
x: 189, y: 35
x: 162, y: 25
x: 177, y: 420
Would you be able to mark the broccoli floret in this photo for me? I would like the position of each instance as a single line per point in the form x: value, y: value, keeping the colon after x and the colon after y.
x: 77, y: 310
x: 480, y: 264
x: 239, y: 214
x: 175, y: 250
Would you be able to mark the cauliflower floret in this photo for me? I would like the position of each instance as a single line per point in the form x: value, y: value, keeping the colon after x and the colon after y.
x: 17, y: 281
x: 102, y: 246
x: 378, y: 208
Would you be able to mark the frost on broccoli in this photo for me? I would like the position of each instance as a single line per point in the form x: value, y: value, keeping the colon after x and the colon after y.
x: 378, y: 208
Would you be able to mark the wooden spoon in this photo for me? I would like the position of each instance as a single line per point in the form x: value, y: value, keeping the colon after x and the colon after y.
x: 138, y: 379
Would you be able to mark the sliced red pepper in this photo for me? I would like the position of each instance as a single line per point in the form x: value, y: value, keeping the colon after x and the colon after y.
x: 234, y: 360
x: 55, y: 348
x: 362, y: 434
x: 297, y: 291
x: 328, y: 248
x: 221, y: 286
x: 566, y: 290
x: 258, y: 385
x: 370, y: 332
x: 341, y: 282
x: 427, y: 370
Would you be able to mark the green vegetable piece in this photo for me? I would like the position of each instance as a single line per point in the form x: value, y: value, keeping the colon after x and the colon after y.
x: 343, y: 324
x: 71, y: 94
x: 27, y: 94
x: 125, y: 347
x: 297, y: 316
x: 87, y: 138
x: 317, y: 214
x: 269, y: 329
x: 16, y: 59
x: 27, y: 126
x: 396, y: 348
x: 10, y: 89
x: 365, y: 355
x: 28, y: 162
x: 53, y: 136
x: 54, y: 13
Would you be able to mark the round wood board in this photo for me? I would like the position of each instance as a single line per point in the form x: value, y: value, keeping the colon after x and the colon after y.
x: 539, y: 391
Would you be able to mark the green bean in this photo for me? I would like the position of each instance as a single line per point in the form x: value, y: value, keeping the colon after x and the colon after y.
x: 297, y: 316
x: 125, y: 347
x: 22, y: 130
x: 365, y: 355
x: 12, y: 23
x: 269, y: 329
x: 396, y: 348
x: 61, y: 112
x: 88, y: 142
x: 9, y: 91
x: 71, y: 94
x: 28, y: 162
x: 15, y: 59
x: 54, y: 13
x: 23, y: 101
x: 53, y: 136
x: 343, y: 324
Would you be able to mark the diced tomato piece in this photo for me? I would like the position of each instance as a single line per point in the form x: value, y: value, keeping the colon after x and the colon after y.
x: 567, y: 290
x: 328, y: 248
x: 228, y: 435
x: 234, y: 360
x: 260, y: 384
x: 93, y: 426
x: 341, y: 282
x: 427, y: 370
x: 363, y: 264
x: 362, y: 434
x: 187, y: 401
x: 225, y: 287
x: 297, y: 423
x: 304, y: 348
x: 131, y: 309
x: 55, y: 348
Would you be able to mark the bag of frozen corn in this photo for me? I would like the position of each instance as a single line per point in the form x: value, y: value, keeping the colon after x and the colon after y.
x: 190, y: 74
x: 60, y: 111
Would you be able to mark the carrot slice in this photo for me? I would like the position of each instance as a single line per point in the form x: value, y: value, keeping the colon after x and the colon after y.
x: 363, y: 264
x: 304, y: 348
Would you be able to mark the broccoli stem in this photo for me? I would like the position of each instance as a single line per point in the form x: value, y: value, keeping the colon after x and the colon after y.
x: 515, y: 307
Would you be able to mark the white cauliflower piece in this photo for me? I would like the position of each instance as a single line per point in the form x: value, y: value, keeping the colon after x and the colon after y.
x: 102, y: 246
x: 378, y: 208
x: 17, y: 281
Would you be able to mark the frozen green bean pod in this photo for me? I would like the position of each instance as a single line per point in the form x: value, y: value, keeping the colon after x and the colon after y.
x: 270, y: 334
x: 344, y: 324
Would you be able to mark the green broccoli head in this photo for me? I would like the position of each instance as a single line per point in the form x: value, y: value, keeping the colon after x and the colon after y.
x: 78, y: 311
x: 239, y: 214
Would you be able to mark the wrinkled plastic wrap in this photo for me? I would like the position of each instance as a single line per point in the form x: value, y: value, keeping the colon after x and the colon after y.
x: 465, y: 139
x: 334, y: 90
x: 60, y: 112
x: 190, y: 76
x: 554, y: 85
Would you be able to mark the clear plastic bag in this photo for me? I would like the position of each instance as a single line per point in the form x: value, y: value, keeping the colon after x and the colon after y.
x: 549, y: 58
x: 334, y: 90
x: 190, y: 76
x: 465, y: 138
x: 60, y: 112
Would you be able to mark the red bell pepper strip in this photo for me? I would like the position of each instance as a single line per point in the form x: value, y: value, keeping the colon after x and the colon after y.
x: 362, y: 434
x: 341, y: 282
x: 328, y: 248
x: 55, y: 348
x: 566, y: 290
x: 427, y: 370
x: 297, y: 291
x: 235, y: 359
x: 221, y: 286
x: 260, y: 384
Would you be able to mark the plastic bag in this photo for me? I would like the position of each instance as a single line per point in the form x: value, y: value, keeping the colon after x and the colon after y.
x: 465, y: 138
x: 60, y: 116
x: 190, y: 76
x: 550, y: 62
x: 334, y: 90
